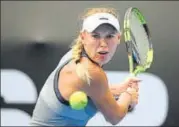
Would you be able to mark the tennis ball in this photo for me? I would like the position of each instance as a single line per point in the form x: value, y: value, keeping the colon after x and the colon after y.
x: 78, y: 100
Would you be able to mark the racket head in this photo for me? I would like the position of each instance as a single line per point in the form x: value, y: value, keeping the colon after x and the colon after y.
x: 137, y: 39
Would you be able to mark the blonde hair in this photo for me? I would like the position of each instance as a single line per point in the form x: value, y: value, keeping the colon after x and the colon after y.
x: 77, y: 46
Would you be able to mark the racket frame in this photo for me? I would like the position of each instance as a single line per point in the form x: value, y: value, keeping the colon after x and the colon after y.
x: 135, y: 69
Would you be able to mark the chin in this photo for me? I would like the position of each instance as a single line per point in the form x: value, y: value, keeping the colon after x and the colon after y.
x: 104, y: 62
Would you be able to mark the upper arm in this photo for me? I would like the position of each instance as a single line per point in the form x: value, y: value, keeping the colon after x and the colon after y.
x: 102, y: 97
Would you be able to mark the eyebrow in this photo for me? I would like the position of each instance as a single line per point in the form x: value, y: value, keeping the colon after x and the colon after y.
x: 114, y: 32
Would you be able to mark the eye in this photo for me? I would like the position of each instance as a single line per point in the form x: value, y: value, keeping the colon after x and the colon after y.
x: 110, y: 36
x: 96, y: 36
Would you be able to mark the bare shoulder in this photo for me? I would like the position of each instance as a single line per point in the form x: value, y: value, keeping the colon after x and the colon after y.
x: 68, y: 75
x: 98, y: 81
x: 95, y: 71
x: 97, y: 74
x: 68, y: 81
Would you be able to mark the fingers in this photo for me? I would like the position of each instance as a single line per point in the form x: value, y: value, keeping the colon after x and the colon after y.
x: 133, y: 79
x: 130, y: 81
x: 133, y: 82
x: 134, y: 85
x: 134, y: 94
x: 132, y: 90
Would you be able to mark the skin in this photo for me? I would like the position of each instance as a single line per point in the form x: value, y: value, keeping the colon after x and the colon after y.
x: 102, y: 39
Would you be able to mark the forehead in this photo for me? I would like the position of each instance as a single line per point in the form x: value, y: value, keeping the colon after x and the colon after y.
x: 105, y: 28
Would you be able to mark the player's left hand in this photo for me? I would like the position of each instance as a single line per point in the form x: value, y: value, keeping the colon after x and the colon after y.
x: 130, y: 82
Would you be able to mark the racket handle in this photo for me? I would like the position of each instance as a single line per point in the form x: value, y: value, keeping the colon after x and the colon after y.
x: 132, y: 75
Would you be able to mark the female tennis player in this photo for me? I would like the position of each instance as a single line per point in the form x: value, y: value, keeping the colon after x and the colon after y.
x: 80, y: 69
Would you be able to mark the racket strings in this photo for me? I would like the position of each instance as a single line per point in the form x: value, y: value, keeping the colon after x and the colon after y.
x: 135, y: 52
x: 140, y: 39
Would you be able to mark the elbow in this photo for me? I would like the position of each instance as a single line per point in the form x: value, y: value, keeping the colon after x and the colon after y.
x: 118, y: 117
x: 116, y: 120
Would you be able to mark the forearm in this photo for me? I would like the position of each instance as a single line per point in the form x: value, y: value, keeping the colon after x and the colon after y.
x: 124, y: 102
x: 117, y: 89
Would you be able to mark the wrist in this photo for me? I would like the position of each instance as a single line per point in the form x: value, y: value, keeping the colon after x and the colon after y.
x: 122, y: 93
x: 117, y: 89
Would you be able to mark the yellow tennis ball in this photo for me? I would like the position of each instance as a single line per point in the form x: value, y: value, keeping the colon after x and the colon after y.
x: 78, y: 100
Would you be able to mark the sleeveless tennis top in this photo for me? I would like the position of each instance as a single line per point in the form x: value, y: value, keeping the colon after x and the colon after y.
x: 52, y: 109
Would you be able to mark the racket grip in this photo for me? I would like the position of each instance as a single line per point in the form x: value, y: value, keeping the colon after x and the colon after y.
x: 132, y: 75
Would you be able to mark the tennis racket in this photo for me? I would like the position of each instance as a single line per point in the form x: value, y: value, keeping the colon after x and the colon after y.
x: 138, y: 42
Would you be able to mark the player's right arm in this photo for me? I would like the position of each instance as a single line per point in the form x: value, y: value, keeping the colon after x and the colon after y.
x: 102, y: 97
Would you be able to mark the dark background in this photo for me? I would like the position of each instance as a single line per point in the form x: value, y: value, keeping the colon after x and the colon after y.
x: 36, y: 34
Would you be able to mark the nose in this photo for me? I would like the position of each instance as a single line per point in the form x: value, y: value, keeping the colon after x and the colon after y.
x: 103, y: 42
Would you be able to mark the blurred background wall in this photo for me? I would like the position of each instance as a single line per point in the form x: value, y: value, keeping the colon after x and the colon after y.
x: 36, y: 34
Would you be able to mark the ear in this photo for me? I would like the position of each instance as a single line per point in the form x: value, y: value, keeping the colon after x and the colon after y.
x: 119, y: 37
x: 82, y: 34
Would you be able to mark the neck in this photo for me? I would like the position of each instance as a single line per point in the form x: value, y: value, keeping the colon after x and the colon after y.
x: 84, y: 54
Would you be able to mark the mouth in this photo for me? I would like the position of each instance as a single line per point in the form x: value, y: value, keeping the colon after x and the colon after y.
x: 103, y: 52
